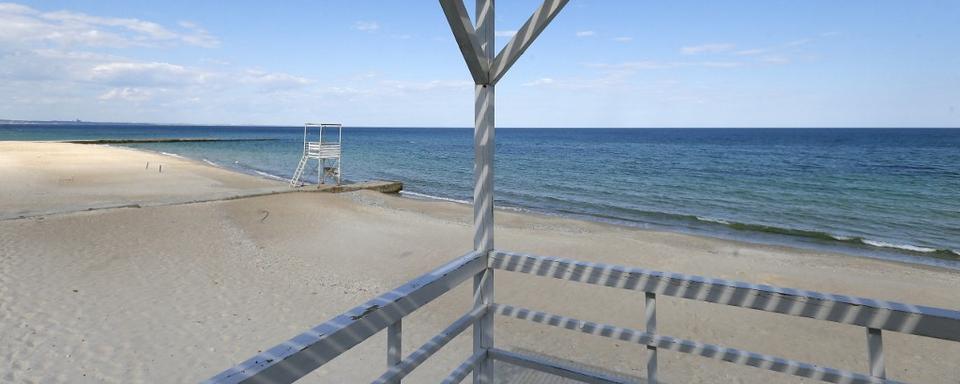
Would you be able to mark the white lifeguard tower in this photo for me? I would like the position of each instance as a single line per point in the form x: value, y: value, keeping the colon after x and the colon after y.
x: 326, y: 152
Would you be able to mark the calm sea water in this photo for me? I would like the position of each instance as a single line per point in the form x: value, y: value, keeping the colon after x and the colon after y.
x: 892, y: 193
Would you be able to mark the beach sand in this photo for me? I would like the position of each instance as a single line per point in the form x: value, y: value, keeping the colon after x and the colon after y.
x: 177, y: 292
x: 44, y: 178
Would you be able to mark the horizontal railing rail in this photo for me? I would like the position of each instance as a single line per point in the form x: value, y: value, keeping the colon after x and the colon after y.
x: 874, y: 315
x: 887, y: 315
x: 730, y: 355
x: 308, y: 351
x: 403, y: 368
x: 554, y: 368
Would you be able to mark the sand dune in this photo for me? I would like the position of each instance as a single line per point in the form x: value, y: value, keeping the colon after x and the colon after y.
x: 177, y: 293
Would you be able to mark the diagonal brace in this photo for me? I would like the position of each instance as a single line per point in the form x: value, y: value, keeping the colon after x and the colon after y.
x: 524, y: 37
x: 467, y: 39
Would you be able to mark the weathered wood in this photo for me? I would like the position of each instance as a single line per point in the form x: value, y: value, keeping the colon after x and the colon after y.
x: 467, y: 39
x: 483, y: 146
x: 465, y: 368
x: 299, y: 356
x: 729, y: 355
x: 394, y: 345
x: 650, y: 318
x: 554, y: 368
x: 524, y: 37
x: 887, y: 315
x: 399, y: 371
x: 875, y: 353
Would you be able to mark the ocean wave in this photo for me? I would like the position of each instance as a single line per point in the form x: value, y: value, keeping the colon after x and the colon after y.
x: 830, y: 237
x: 268, y: 175
x: 172, y: 155
x: 210, y: 162
x: 511, y: 208
x: 906, y: 247
x: 432, y: 197
x: 712, y: 220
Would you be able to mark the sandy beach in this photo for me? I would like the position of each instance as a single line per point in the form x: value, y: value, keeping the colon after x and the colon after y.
x: 112, y: 272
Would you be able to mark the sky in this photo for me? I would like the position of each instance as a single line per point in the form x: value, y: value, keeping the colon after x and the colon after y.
x: 601, y: 63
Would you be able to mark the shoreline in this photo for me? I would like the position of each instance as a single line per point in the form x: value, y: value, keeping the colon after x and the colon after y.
x: 724, y: 230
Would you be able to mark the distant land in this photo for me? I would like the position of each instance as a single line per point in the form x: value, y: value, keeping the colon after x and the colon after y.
x: 71, y: 122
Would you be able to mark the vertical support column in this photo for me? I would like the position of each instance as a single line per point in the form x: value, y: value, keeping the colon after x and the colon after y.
x: 650, y: 309
x: 394, y: 339
x: 483, y: 144
x: 875, y: 353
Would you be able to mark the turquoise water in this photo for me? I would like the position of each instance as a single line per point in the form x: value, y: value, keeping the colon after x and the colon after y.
x: 889, y: 193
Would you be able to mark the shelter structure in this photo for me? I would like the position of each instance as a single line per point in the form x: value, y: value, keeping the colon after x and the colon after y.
x: 325, y: 150
x: 306, y: 352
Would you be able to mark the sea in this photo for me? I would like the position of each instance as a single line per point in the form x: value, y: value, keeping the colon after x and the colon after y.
x: 886, y: 193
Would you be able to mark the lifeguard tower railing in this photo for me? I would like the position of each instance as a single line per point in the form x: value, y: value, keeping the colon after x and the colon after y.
x: 322, y: 150
x: 297, y: 357
x: 306, y: 352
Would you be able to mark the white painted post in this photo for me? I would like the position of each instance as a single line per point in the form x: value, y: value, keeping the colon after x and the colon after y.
x: 650, y: 307
x: 477, y: 47
x: 875, y: 353
x: 394, y: 339
x: 483, y: 144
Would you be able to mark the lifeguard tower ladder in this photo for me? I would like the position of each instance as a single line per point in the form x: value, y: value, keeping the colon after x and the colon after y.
x: 326, y: 152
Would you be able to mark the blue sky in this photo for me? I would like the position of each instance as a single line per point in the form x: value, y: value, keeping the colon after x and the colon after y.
x: 395, y: 63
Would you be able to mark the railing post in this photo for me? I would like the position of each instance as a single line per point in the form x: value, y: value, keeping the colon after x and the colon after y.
x: 394, y: 343
x: 483, y: 144
x: 650, y: 309
x: 875, y: 353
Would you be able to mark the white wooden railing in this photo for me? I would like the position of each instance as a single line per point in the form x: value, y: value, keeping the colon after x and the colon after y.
x: 299, y: 356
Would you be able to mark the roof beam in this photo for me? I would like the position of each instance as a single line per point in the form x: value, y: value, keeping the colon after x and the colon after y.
x: 466, y: 37
x: 524, y: 37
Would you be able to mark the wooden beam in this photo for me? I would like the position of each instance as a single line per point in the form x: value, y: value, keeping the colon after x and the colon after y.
x: 467, y: 40
x: 524, y: 37
x: 465, y: 368
x: 547, y: 366
x: 403, y: 368
x: 730, y: 355
x: 483, y: 146
x: 295, y: 358
x: 887, y: 315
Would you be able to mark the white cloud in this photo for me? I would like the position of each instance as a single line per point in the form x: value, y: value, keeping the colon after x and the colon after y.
x: 127, y: 94
x: 267, y: 81
x: 623, y: 39
x: 366, y: 26
x: 632, y: 66
x: 427, y: 85
x: 586, y: 33
x: 505, y: 33
x: 539, y: 82
x: 22, y: 25
x: 749, y: 52
x: 707, y: 48
x: 146, y: 74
